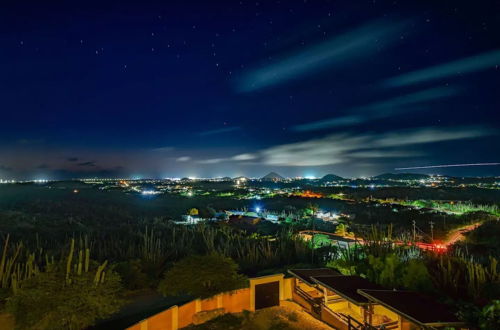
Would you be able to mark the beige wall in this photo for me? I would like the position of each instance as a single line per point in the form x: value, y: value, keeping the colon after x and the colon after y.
x: 232, y: 302
x: 338, y: 305
x: 236, y: 302
x: 288, y: 288
x: 378, y: 309
x: 185, y: 314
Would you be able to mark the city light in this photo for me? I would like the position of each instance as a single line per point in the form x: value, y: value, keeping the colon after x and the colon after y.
x: 150, y: 192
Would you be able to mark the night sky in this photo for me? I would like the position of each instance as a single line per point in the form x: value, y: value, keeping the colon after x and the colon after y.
x: 228, y: 88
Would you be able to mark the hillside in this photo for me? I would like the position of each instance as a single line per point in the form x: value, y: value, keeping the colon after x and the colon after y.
x: 331, y: 177
x: 273, y: 176
x: 401, y: 176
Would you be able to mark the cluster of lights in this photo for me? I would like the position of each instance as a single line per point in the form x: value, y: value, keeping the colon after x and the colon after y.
x: 150, y: 192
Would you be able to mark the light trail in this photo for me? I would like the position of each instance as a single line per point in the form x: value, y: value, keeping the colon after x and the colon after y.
x: 448, y: 165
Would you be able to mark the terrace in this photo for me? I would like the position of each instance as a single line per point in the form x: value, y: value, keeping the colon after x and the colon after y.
x: 305, y: 291
x: 345, y: 308
x: 413, y: 309
x: 352, y: 302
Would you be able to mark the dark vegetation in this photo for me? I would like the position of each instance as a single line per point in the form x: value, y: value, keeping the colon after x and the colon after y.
x: 102, y: 246
x: 202, y: 276
x: 471, y: 285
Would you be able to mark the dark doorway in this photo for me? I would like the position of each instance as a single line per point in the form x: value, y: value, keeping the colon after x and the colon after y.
x: 267, y: 295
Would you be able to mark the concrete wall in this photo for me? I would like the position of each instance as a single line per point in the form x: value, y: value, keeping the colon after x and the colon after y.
x: 330, y: 319
x: 231, y: 302
x: 288, y: 284
x: 381, y: 310
x: 185, y: 314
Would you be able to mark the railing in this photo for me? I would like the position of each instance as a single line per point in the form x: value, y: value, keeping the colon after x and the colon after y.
x: 349, y: 321
x: 388, y: 325
x: 314, y: 302
x: 304, y: 295
x: 332, y: 300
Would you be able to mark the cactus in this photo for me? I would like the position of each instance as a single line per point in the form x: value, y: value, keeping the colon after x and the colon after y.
x: 99, y: 277
x: 80, y: 260
x: 69, y: 260
x: 87, y: 259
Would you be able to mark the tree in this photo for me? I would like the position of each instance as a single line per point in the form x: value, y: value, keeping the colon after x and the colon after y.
x: 193, y: 211
x: 202, y: 276
x: 385, y: 270
x: 416, y: 276
x: 340, y: 230
x: 490, y: 315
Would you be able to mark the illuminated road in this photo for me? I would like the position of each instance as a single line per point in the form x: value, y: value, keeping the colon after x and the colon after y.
x: 458, y: 234
x: 453, y: 237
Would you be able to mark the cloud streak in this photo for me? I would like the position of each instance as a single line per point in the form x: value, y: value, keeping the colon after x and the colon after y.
x: 378, y: 110
x: 87, y: 164
x: 342, y: 148
x: 220, y: 131
x: 355, y: 43
x: 454, y: 68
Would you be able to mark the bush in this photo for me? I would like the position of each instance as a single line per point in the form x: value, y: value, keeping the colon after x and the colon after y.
x: 49, y: 301
x: 202, y: 276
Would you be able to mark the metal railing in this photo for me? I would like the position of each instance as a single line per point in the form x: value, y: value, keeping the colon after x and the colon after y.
x: 353, y: 324
x: 349, y: 321
x: 314, y: 302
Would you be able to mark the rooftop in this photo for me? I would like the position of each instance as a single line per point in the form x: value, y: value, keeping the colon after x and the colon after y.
x: 414, y: 306
x: 306, y: 275
x: 347, y: 286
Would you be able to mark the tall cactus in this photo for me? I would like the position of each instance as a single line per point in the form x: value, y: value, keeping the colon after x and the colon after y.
x: 69, y: 260
x: 99, y: 274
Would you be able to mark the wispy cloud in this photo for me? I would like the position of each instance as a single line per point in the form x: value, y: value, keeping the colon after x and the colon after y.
x: 162, y: 149
x: 6, y: 168
x: 220, y: 131
x: 212, y: 161
x: 183, y: 159
x: 348, y: 147
x: 341, y: 148
x: 385, y: 154
x: 87, y: 164
x: 378, y: 110
x: 243, y: 157
x: 361, y: 41
x: 237, y: 158
x: 453, y: 68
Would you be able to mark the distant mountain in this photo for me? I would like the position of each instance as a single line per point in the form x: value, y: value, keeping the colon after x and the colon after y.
x: 401, y: 176
x: 331, y: 177
x: 273, y: 176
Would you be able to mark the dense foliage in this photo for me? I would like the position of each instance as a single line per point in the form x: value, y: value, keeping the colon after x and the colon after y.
x: 202, y: 276
x: 472, y: 286
x: 69, y: 294
x: 134, y: 245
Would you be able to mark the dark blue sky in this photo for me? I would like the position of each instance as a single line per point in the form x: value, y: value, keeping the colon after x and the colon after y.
x: 216, y: 88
